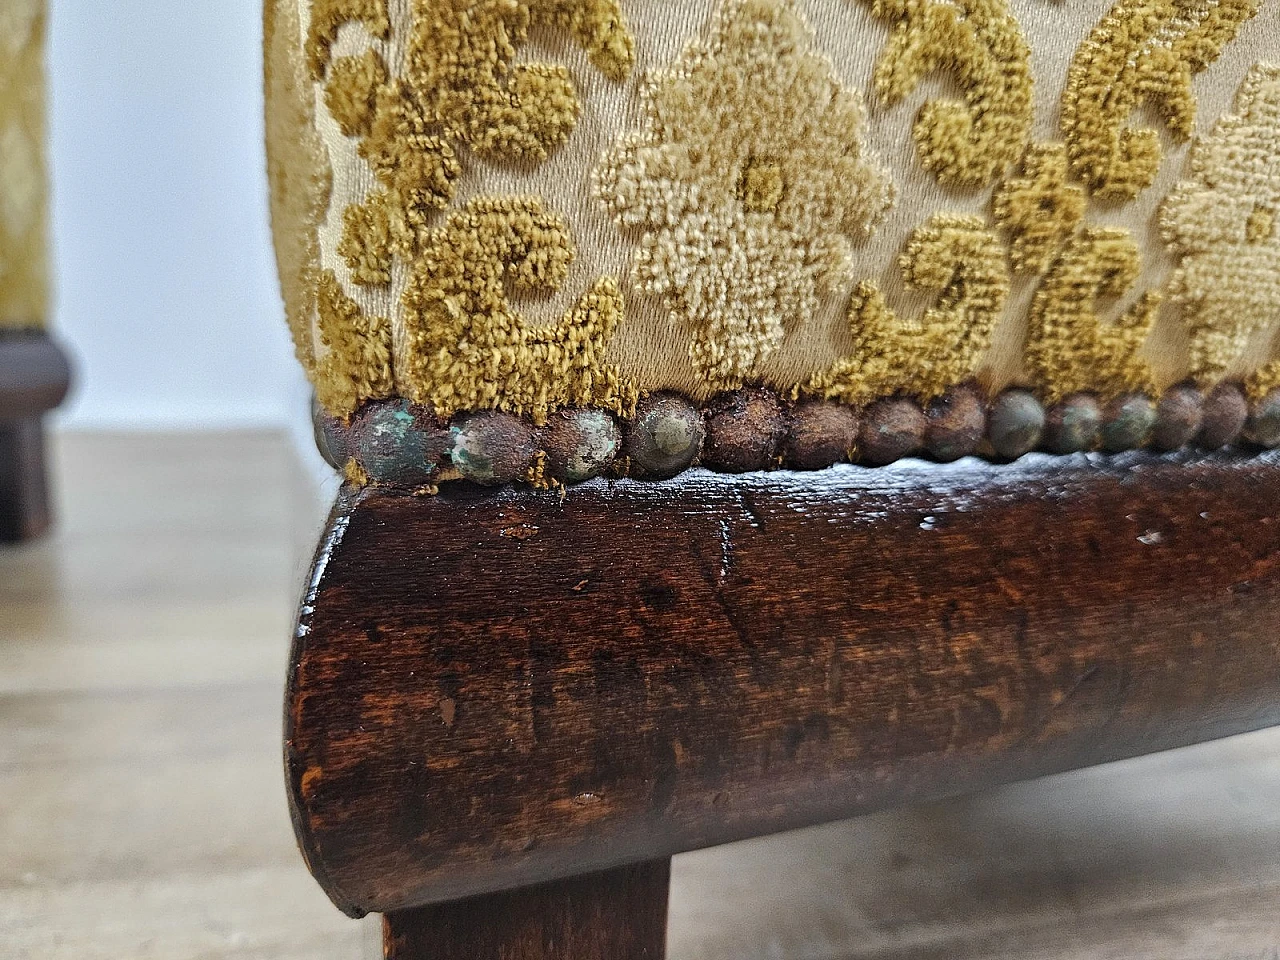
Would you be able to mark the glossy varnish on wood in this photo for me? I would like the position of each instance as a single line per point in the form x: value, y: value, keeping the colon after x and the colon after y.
x: 499, y: 689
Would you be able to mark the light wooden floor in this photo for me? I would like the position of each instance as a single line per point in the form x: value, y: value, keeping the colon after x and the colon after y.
x: 142, y: 812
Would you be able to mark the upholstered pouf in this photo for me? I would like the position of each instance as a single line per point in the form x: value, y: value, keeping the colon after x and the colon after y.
x: 34, y: 375
x: 879, y: 397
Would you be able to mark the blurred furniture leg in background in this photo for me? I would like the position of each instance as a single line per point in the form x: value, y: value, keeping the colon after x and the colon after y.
x: 34, y: 377
x: 34, y: 374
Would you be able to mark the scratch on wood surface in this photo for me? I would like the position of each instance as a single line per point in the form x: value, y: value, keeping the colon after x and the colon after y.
x: 726, y: 551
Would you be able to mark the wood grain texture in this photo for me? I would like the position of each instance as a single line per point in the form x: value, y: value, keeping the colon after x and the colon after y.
x: 494, y: 690
x: 618, y: 914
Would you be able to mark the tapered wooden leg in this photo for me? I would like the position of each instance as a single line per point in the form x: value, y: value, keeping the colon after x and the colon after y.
x: 24, y: 500
x: 617, y: 915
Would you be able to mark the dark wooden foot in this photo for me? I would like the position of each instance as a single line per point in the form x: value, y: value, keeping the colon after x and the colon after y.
x: 491, y: 691
x: 616, y: 915
x: 34, y: 377
x: 24, y: 500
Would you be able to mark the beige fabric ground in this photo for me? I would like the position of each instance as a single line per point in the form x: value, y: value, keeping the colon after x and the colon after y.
x: 24, y: 268
x: 651, y: 350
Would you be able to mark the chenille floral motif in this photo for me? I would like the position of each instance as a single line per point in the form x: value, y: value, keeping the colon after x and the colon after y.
x: 961, y: 259
x: 1039, y: 209
x: 328, y: 16
x: 464, y: 346
x: 1070, y: 347
x: 969, y: 142
x: 463, y: 72
x: 749, y: 183
x: 740, y: 179
x: 356, y: 363
x: 1221, y: 222
x: 467, y: 346
x: 1143, y: 53
x: 461, y: 87
x: 352, y: 93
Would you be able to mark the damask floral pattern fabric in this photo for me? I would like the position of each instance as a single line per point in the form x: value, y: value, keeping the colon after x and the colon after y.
x: 534, y: 204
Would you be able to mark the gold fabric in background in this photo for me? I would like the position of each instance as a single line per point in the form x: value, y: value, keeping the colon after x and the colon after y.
x: 24, y: 213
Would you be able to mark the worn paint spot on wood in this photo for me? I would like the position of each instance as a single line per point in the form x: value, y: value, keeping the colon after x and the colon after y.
x: 524, y: 531
x: 309, y: 778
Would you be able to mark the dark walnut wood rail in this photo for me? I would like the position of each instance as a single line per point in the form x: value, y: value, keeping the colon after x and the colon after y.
x: 34, y: 378
x: 493, y: 690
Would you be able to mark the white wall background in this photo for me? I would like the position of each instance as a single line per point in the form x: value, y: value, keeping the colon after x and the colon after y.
x: 166, y: 292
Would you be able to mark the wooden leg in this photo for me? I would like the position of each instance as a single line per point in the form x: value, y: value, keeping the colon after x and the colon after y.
x: 616, y: 915
x: 34, y: 377
x: 24, y: 502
